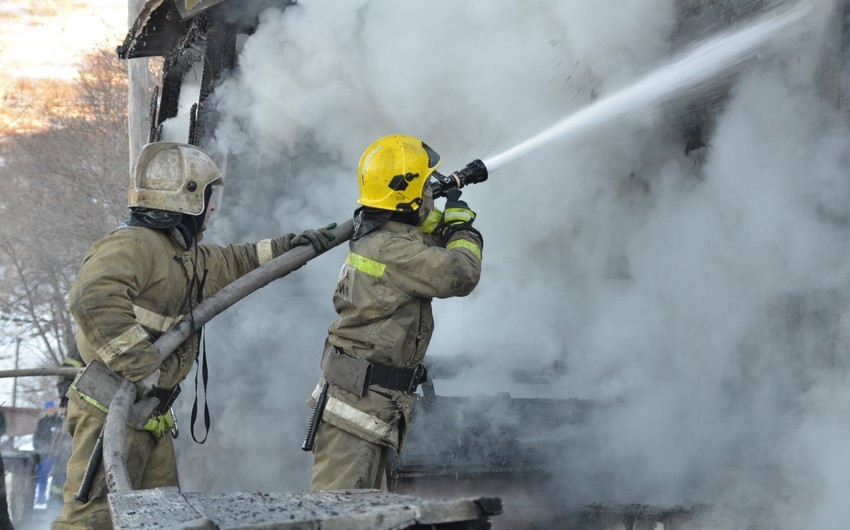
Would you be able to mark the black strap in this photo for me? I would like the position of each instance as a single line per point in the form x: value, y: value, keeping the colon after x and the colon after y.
x: 201, y: 359
x: 202, y: 367
x: 394, y: 378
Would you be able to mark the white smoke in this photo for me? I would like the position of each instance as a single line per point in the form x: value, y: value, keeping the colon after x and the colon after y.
x: 701, y: 298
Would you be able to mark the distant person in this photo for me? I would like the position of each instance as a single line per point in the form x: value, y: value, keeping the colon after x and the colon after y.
x: 46, y: 440
x: 402, y: 254
x: 134, y: 284
x: 62, y: 453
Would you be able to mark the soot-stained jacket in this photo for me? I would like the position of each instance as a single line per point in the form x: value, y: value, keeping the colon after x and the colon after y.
x: 134, y: 284
x: 383, y: 298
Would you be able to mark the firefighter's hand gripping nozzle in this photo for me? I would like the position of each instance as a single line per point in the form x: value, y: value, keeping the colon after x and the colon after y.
x: 473, y: 173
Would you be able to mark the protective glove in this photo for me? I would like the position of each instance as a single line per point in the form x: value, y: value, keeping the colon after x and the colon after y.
x: 320, y: 238
x: 145, y: 386
x: 457, y: 215
x: 457, y: 211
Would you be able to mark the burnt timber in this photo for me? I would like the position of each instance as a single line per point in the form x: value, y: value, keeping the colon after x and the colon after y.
x: 204, y: 36
x: 327, y: 510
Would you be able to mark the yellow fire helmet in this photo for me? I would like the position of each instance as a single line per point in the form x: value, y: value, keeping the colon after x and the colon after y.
x: 172, y: 177
x: 394, y: 171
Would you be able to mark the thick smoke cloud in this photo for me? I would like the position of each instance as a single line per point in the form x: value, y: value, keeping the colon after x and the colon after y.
x: 700, y: 298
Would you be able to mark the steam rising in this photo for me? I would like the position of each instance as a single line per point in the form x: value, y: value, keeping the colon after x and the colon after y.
x: 702, y: 299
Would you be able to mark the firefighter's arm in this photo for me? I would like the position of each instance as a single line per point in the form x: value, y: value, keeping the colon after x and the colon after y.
x: 101, y: 301
x: 457, y: 221
x: 455, y: 269
x: 227, y: 263
x: 438, y: 272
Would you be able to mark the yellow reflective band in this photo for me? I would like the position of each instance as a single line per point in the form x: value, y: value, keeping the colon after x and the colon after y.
x: 365, y: 265
x: 87, y: 398
x: 152, y: 320
x: 458, y: 215
x: 432, y: 221
x: 468, y: 245
x: 122, y: 343
x: 264, y: 251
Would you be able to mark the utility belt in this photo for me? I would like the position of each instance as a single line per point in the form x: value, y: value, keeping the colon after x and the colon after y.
x: 97, y: 385
x: 355, y: 375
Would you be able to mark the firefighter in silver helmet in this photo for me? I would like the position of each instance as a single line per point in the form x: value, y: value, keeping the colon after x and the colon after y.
x: 134, y: 284
x: 403, y: 254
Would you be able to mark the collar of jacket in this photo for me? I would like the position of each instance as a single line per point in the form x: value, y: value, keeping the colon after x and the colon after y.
x: 177, y: 235
x: 170, y: 222
x: 368, y: 221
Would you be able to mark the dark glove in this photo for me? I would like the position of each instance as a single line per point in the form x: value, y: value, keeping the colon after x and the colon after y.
x: 320, y: 238
x: 457, y: 211
x: 457, y: 215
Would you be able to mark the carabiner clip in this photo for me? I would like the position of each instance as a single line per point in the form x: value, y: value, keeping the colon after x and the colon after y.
x: 174, y: 431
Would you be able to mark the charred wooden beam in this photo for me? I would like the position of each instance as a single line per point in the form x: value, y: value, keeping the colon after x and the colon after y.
x: 353, y: 510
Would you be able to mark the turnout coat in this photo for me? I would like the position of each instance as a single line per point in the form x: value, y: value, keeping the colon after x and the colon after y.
x: 383, y: 298
x: 134, y: 284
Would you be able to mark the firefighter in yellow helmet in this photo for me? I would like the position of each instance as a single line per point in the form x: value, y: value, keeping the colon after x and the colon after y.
x: 403, y: 254
x: 134, y: 284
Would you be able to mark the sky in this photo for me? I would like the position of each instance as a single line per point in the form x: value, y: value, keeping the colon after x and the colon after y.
x: 700, y: 298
